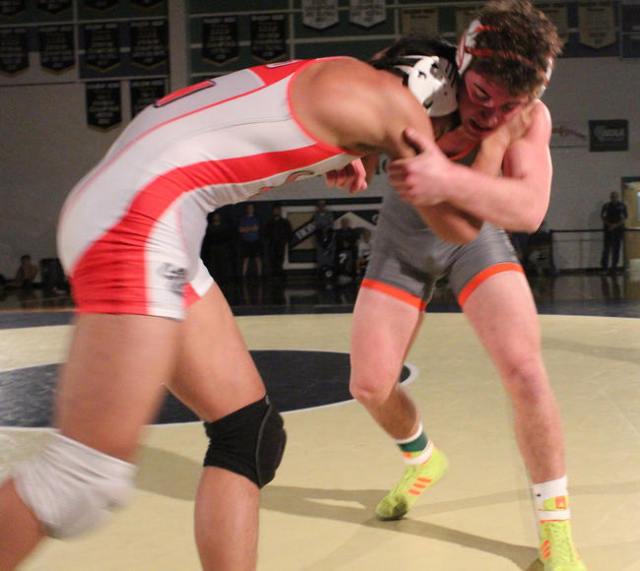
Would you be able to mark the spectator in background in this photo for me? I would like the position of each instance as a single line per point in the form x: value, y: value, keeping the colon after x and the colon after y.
x: 364, y: 251
x: 277, y: 233
x: 26, y: 274
x: 325, y: 241
x: 250, y: 244
x: 322, y: 217
x: 346, y: 238
x: 216, y: 247
x: 613, y: 214
x: 538, y: 252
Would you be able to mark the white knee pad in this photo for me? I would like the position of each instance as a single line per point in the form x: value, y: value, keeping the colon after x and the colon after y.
x: 71, y: 488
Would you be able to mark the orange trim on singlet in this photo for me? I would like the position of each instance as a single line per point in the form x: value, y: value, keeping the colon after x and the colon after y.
x: 464, y: 152
x: 485, y: 274
x: 395, y: 292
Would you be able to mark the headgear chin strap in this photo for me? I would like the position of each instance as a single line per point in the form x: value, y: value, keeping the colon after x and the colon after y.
x: 467, y: 51
x: 432, y: 81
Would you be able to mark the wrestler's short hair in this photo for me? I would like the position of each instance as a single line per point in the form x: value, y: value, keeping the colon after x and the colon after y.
x: 515, y: 45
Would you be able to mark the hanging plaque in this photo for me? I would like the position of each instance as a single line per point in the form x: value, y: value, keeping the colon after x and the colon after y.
x: 9, y: 8
x: 268, y: 37
x: 104, y: 107
x: 319, y: 14
x: 420, y: 20
x: 102, y: 46
x: 14, y: 50
x: 57, y: 48
x: 597, y: 24
x: 464, y: 17
x: 559, y: 17
x: 54, y: 6
x: 220, y: 39
x: 149, y: 43
x: 145, y: 92
x: 367, y: 13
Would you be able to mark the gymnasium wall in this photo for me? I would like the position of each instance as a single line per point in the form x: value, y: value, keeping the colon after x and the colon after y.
x: 55, y: 125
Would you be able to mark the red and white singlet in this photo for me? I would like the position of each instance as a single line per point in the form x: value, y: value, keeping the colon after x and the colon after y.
x: 130, y: 231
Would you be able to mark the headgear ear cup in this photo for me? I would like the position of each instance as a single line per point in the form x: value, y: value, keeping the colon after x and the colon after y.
x: 547, y: 78
x: 432, y: 81
x: 466, y: 44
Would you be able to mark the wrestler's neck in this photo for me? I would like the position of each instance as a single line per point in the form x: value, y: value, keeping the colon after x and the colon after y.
x: 452, y: 141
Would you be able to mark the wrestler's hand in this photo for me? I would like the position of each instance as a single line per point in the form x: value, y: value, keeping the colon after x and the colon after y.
x: 353, y: 177
x: 421, y: 180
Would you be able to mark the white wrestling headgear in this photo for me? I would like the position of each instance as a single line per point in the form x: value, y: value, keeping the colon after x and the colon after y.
x: 432, y: 81
x: 467, y: 51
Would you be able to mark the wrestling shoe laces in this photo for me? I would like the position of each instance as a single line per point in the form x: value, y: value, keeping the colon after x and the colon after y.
x: 416, y: 479
x: 557, y: 552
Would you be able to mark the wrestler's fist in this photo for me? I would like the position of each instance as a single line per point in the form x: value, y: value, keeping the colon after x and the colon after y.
x: 353, y: 176
x: 421, y: 180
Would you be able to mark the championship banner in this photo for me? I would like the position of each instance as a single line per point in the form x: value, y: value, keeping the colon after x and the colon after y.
x: 630, y: 16
x: 101, y: 5
x: 102, y: 46
x: 220, y: 39
x: 9, y: 8
x: 149, y: 43
x: 104, y: 106
x: 419, y: 20
x: 609, y: 135
x: 319, y: 14
x: 146, y: 3
x: 57, y: 48
x: 367, y: 13
x: 145, y: 92
x: 53, y: 6
x: 596, y: 24
x: 559, y: 17
x: 268, y: 37
x: 14, y: 50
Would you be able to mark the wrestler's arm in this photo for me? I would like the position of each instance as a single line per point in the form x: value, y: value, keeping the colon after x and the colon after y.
x: 366, y: 111
x: 516, y: 201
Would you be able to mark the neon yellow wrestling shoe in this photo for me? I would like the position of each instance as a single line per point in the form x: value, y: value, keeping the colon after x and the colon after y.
x: 416, y: 480
x: 557, y: 552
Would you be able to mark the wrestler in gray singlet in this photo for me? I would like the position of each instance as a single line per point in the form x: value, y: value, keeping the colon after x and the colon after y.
x: 408, y: 255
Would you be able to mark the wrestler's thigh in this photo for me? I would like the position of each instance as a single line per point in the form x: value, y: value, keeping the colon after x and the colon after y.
x: 112, y: 382
x: 215, y: 374
x: 503, y: 313
x: 383, y: 328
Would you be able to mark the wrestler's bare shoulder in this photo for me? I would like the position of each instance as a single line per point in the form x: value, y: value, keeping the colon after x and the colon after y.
x: 346, y: 102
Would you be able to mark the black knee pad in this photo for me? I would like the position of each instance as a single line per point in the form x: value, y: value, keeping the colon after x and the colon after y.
x: 249, y: 442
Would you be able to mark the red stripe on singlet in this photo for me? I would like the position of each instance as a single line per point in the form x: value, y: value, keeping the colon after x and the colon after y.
x: 113, y: 268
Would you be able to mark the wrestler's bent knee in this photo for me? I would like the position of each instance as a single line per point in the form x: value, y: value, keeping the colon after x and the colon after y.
x: 72, y: 488
x: 249, y: 442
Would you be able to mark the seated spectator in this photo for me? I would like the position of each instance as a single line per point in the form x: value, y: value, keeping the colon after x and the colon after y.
x: 26, y: 274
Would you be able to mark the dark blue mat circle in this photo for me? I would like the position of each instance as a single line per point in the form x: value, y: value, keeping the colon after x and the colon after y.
x: 295, y: 380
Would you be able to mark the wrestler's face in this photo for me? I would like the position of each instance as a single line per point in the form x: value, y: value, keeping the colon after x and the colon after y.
x: 485, y: 106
